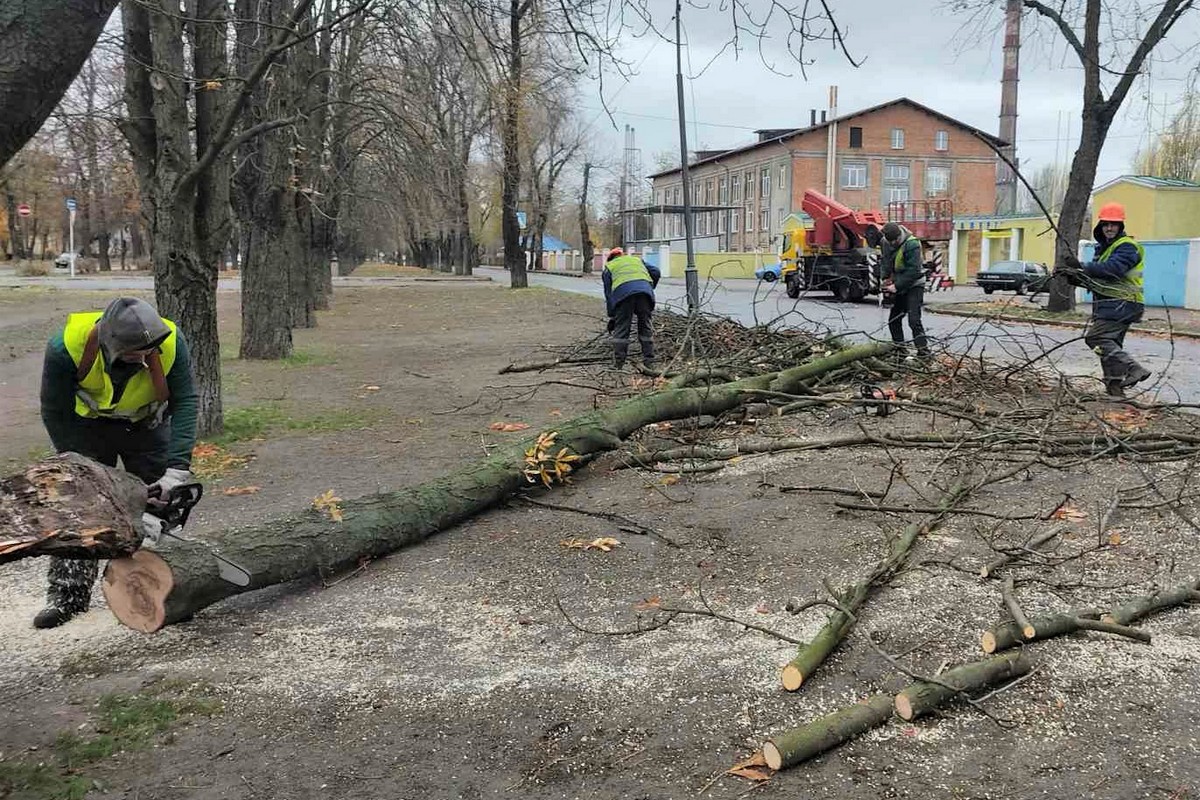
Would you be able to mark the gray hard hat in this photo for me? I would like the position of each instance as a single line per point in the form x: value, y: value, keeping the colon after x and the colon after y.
x: 129, y: 324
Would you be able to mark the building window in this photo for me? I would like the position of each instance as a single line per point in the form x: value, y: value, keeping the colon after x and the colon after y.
x: 723, y: 196
x: 941, y: 140
x: 779, y: 219
x: 749, y: 219
x: 855, y: 137
x: 720, y: 222
x: 765, y: 180
x: 897, y: 138
x: 764, y: 220
x: 937, y: 180
x: 895, y: 183
x: 710, y: 195
x: 678, y: 224
x: 782, y: 177
x: 736, y: 186
x: 733, y: 222
x: 854, y: 174
x: 749, y: 185
x: 675, y: 196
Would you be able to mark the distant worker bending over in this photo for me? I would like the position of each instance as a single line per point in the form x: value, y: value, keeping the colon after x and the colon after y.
x: 1114, y: 277
x: 629, y: 285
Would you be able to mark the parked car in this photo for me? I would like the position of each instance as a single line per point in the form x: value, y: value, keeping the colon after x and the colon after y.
x: 1017, y: 276
x: 769, y: 273
x: 63, y: 261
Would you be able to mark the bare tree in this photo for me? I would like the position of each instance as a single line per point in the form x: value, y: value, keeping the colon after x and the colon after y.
x: 1113, y: 43
x: 1175, y: 153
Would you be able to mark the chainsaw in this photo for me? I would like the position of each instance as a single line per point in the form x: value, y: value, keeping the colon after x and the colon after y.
x: 163, y: 522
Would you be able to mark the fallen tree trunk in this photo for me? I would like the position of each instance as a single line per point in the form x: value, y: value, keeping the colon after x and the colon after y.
x: 921, y: 697
x: 1009, y: 634
x: 800, y: 744
x: 1141, y: 607
x: 800, y: 668
x: 71, y: 507
x: 154, y: 589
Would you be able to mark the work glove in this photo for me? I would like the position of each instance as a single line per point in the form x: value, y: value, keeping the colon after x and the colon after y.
x: 160, y: 490
x: 1072, y: 262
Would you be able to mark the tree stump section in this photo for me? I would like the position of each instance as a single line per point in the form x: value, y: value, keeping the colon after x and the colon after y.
x: 161, y: 587
x: 920, y: 698
x: 71, y: 507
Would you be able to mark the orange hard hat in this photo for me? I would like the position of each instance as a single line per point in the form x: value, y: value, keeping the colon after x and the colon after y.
x: 1112, y: 212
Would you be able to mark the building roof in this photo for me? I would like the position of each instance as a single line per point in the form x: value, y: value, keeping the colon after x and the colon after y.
x: 784, y: 133
x: 1150, y: 182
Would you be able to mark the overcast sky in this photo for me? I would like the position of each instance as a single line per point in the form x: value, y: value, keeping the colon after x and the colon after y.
x: 922, y: 52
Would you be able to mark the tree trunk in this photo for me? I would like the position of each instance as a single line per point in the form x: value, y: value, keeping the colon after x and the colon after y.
x: 15, y: 240
x: 1072, y: 218
x: 151, y: 590
x: 42, y: 47
x: 71, y: 507
x: 585, y: 236
x: 514, y: 255
x: 211, y: 62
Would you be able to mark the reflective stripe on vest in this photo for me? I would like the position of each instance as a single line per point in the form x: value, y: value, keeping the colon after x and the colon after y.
x: 94, y: 395
x: 1129, y: 286
x: 627, y: 268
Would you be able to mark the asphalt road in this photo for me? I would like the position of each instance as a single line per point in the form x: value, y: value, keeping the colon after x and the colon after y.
x: 1175, y: 363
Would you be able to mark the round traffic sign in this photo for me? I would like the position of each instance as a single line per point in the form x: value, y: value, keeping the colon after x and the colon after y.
x: 23, y: 210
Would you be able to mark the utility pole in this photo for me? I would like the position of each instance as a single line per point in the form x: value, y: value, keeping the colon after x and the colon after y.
x: 691, y: 277
x: 1006, y: 179
x: 623, y: 194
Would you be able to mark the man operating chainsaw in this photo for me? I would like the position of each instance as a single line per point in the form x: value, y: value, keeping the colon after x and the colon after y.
x: 116, y: 384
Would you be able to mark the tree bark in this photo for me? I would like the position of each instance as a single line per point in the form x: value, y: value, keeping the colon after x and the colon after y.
x: 798, y: 745
x: 918, y: 699
x: 71, y: 507
x: 154, y: 589
x: 42, y: 47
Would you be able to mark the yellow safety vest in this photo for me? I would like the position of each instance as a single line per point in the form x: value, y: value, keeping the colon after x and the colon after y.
x: 627, y: 268
x: 1130, y: 285
x: 95, y: 393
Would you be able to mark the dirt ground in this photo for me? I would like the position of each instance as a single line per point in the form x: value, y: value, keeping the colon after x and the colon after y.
x: 448, y: 670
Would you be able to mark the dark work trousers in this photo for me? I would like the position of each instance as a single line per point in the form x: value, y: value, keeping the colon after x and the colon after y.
x: 143, y: 452
x: 909, y: 302
x: 1106, y: 337
x: 638, y: 305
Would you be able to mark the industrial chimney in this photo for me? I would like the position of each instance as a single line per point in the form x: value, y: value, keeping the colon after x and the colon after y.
x: 1006, y: 179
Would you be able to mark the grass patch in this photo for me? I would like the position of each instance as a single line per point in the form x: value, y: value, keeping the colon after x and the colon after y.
x: 379, y: 269
x: 123, y: 723
x: 257, y: 422
x: 306, y: 358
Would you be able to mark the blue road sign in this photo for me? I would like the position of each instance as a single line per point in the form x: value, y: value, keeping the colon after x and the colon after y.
x: 521, y: 220
x: 70, y: 204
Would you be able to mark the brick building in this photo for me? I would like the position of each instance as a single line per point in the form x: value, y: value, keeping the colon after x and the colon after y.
x: 897, y: 151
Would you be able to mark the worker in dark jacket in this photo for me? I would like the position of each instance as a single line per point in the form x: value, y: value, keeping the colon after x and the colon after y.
x: 116, y: 384
x: 1115, y: 279
x: 629, y: 285
x: 903, y: 273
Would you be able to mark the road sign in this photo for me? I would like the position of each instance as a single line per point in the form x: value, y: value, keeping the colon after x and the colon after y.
x: 70, y: 204
x: 24, y: 210
x: 521, y: 220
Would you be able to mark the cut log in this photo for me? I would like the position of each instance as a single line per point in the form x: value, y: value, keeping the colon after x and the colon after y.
x: 800, y: 744
x: 71, y: 507
x: 920, y: 698
x: 989, y: 569
x: 1002, y: 637
x: 159, y: 588
x: 813, y: 654
x: 1141, y: 607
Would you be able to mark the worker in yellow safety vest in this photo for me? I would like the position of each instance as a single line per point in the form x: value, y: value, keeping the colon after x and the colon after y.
x: 629, y: 284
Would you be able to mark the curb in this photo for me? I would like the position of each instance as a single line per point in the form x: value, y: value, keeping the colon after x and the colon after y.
x: 1135, y: 329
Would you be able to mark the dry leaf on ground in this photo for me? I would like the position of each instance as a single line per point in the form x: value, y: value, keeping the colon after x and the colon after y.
x: 605, y: 543
x: 649, y: 604
x: 508, y: 427
x: 1068, y: 511
x: 327, y: 504
x: 233, y: 491
x: 753, y: 768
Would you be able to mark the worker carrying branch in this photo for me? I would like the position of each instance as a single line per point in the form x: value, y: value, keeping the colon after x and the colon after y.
x: 1115, y: 280
x: 629, y: 285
